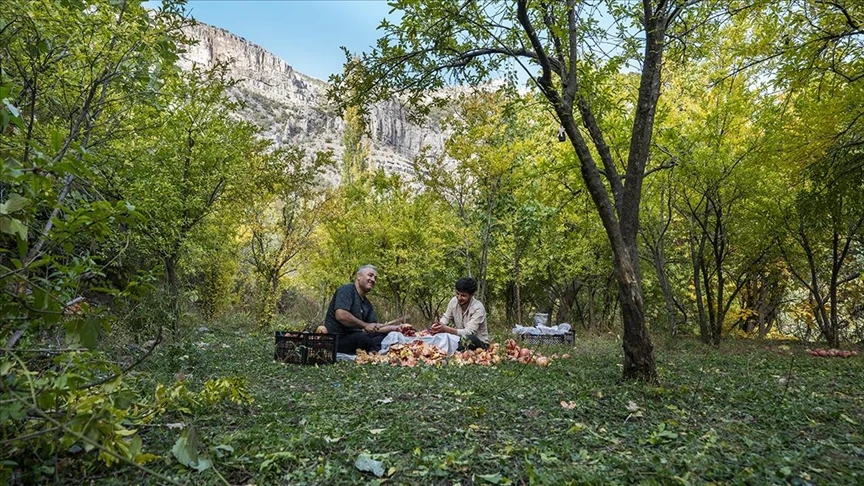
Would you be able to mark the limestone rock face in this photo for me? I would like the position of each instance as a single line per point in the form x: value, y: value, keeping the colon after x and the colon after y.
x: 292, y: 108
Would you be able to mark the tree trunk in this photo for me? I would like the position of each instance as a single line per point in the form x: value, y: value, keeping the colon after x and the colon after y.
x: 568, y: 300
x: 618, y: 203
x: 518, y: 295
x: 696, y: 258
x: 510, y: 303
x: 671, y: 303
x: 173, y: 292
x: 483, y: 266
x: 638, y: 350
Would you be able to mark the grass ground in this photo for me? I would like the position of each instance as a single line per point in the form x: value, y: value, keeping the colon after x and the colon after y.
x: 754, y: 413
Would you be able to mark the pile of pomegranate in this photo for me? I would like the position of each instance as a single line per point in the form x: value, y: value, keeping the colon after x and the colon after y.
x: 418, y: 352
x: 405, y: 355
x: 482, y: 357
x: 527, y: 356
x: 832, y: 353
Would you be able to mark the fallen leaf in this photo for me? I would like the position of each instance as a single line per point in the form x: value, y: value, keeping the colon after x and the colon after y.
x: 376, y: 431
x: 631, y: 406
x: 491, y: 478
x: 548, y: 458
x: 223, y: 450
x: 384, y: 400
x: 365, y: 463
x: 186, y: 451
x: 846, y: 418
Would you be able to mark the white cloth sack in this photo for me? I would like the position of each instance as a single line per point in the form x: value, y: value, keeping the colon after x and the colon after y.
x: 446, y: 342
x: 557, y: 330
x: 526, y: 330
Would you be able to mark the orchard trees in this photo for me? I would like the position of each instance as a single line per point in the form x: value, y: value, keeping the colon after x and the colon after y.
x: 192, y: 166
x: 825, y: 225
x: 379, y: 220
x: 71, y: 75
x: 816, y: 59
x: 115, y: 168
x: 280, y: 222
x: 465, y: 42
x: 721, y: 180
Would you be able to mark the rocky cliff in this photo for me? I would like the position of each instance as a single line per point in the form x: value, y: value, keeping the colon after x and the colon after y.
x: 292, y: 108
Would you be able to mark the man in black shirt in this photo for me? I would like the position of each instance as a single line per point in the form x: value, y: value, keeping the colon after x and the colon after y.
x: 351, y: 316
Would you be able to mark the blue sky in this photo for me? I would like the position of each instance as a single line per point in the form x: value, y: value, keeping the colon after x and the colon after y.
x: 306, y: 34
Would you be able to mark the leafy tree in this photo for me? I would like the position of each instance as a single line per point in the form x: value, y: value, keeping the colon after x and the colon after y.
x: 380, y: 220
x: 824, y: 225
x: 71, y: 75
x: 193, y: 166
x: 355, y: 158
x: 484, y: 137
x: 814, y: 58
x: 281, y: 224
x: 657, y: 225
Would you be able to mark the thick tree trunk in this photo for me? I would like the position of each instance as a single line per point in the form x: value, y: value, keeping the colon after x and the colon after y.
x: 618, y: 203
x: 638, y: 350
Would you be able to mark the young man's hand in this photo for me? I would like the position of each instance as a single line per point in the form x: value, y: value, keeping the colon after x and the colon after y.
x: 439, y: 328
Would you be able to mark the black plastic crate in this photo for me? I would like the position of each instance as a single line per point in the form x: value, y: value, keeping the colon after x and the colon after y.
x: 540, y: 339
x: 305, y: 348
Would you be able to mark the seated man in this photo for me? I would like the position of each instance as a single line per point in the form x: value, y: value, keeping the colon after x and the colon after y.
x: 351, y: 316
x: 467, y: 315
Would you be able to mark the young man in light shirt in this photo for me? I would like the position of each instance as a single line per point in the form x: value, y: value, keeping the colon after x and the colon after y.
x: 467, y: 316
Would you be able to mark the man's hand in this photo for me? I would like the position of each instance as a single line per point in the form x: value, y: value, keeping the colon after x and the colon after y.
x: 439, y: 328
x: 372, y: 327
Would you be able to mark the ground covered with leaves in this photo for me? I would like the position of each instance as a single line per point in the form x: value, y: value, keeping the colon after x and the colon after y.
x: 747, y: 412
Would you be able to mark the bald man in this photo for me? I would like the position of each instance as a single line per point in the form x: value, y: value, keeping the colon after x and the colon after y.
x: 351, y: 316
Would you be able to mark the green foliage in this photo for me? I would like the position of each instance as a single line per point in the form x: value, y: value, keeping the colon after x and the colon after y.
x: 216, y: 290
x: 83, y: 403
x: 132, y: 198
x: 280, y: 224
x: 178, y: 398
x: 379, y: 220
x: 97, y: 124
